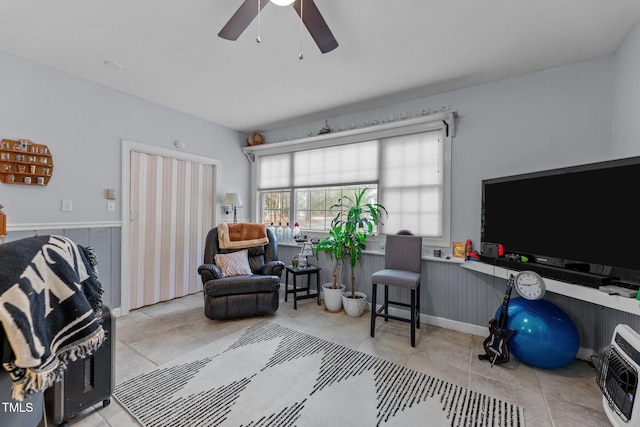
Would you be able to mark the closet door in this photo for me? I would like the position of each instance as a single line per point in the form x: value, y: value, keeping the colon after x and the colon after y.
x: 171, y: 211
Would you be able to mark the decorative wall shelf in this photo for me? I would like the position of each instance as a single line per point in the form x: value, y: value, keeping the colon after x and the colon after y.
x: 418, y: 124
x: 26, y: 163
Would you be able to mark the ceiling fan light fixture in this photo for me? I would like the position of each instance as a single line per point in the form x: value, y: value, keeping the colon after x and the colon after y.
x: 282, y: 2
x: 311, y: 19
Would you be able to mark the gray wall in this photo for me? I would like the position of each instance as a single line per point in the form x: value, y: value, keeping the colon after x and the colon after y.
x: 83, y: 124
x: 538, y: 121
x: 626, y: 97
x: 581, y: 113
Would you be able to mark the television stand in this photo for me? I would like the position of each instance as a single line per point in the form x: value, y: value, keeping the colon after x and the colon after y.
x: 563, y: 274
x: 573, y: 290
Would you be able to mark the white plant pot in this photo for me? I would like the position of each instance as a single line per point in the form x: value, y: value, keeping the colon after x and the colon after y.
x: 354, y: 307
x: 332, y: 297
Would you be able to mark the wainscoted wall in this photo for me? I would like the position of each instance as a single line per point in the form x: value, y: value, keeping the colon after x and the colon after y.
x: 457, y: 298
x: 105, y: 240
x: 452, y: 297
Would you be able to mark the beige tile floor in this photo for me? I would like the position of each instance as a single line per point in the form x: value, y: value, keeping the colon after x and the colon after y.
x: 153, y: 335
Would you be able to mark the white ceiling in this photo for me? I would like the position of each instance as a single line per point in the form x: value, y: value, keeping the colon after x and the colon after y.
x: 389, y: 51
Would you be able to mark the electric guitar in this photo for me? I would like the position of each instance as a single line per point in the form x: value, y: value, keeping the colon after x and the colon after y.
x: 496, y: 346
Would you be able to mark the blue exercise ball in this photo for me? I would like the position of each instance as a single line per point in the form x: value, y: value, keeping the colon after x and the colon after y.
x: 544, y: 336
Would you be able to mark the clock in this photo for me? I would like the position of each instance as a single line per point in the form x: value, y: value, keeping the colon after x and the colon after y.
x: 530, y: 285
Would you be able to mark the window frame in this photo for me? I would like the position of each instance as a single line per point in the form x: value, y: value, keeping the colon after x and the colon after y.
x: 444, y: 121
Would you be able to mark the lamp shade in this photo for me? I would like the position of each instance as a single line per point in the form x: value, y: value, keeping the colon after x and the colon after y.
x: 232, y: 199
x: 307, y: 249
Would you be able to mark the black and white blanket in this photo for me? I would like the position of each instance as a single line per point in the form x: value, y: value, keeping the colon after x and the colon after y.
x: 50, y: 309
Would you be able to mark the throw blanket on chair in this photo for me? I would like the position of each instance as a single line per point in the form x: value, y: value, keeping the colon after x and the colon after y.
x: 50, y: 308
x: 238, y: 236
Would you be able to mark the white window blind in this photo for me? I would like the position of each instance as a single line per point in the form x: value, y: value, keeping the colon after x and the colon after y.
x: 411, y: 183
x: 350, y: 163
x: 275, y: 171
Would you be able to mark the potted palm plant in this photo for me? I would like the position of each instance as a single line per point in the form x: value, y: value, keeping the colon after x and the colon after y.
x: 333, y: 245
x: 356, y: 220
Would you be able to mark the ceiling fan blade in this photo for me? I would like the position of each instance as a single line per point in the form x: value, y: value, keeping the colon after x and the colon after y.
x: 241, y: 19
x: 316, y: 25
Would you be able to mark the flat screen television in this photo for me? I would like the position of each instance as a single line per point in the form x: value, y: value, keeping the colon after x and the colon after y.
x: 578, y: 224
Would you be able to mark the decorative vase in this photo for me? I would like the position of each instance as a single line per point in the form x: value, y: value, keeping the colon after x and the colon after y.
x: 332, y: 297
x: 354, y: 307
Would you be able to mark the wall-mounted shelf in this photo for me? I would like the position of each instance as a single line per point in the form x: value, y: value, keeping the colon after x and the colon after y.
x: 417, y: 124
x: 577, y: 291
x: 23, y: 162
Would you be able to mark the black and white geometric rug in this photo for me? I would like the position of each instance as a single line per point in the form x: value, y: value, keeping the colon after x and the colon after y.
x: 270, y: 375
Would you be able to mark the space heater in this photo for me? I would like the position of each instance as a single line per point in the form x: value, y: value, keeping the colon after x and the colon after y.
x: 617, y: 377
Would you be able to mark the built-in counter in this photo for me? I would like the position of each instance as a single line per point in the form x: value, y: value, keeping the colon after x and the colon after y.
x: 583, y: 293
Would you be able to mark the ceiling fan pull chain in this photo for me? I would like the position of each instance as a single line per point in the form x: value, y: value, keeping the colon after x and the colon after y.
x: 258, y: 39
x: 300, y: 56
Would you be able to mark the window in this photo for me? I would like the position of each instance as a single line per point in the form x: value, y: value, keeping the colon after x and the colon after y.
x: 313, y: 205
x: 276, y: 207
x: 406, y: 167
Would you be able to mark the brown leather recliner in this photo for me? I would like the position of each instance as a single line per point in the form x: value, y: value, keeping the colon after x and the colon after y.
x: 246, y: 295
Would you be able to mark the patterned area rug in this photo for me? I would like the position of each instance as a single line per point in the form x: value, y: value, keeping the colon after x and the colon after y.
x: 270, y: 375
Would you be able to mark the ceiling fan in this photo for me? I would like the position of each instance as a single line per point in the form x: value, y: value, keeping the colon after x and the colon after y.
x: 308, y: 12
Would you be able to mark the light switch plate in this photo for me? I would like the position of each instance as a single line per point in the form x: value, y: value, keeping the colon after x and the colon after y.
x: 111, y: 206
x: 67, y: 205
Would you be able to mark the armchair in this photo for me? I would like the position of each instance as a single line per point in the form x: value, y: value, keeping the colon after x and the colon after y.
x: 246, y: 294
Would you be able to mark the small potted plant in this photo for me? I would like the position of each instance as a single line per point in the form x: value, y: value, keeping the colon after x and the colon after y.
x: 356, y: 219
